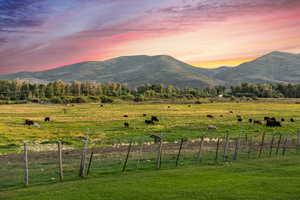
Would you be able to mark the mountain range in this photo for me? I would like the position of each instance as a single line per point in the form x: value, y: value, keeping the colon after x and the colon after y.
x: 275, y: 67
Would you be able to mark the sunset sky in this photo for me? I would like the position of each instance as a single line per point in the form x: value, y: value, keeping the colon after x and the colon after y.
x: 42, y: 34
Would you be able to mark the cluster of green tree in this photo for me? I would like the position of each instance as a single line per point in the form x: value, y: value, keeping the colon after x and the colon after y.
x: 81, y: 92
x: 266, y: 90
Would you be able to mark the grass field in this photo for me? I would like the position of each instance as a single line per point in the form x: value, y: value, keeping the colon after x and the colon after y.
x: 106, y: 123
x: 270, y: 177
x: 267, y: 179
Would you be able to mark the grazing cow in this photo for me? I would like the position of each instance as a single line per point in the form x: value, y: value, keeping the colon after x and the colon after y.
x: 126, y: 124
x: 125, y: 115
x: 144, y: 115
x: 231, y: 112
x: 47, y: 119
x: 257, y: 122
x: 169, y: 106
x: 149, y: 122
x: 282, y: 119
x: 211, y: 127
x: 240, y: 119
x: 273, y: 123
x: 101, y: 105
x: 250, y: 120
x: 292, y: 120
x: 29, y: 122
x: 209, y: 116
x: 154, y: 118
x: 221, y: 116
x: 156, y: 138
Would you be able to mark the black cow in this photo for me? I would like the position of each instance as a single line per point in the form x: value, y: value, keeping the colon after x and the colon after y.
x: 126, y: 124
x: 292, y: 120
x: 257, y: 122
x: 282, y: 119
x: 29, y: 122
x: 250, y: 120
x: 156, y: 138
x: 144, y: 115
x: 154, y: 118
x: 273, y: 123
x: 209, y: 116
x: 149, y: 122
x: 125, y: 115
x: 240, y: 119
x: 47, y: 119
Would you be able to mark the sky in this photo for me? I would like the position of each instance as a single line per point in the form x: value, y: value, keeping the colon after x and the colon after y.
x: 44, y: 34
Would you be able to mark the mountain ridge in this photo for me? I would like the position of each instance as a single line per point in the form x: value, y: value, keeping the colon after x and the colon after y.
x: 274, y: 67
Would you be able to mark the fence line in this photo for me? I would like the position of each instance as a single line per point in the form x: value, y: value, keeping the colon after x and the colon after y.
x: 62, y: 164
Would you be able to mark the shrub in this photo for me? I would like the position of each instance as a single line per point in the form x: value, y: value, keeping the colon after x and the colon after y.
x: 106, y: 99
x: 67, y: 99
x: 139, y: 98
x: 80, y: 100
x: 198, y: 102
x: 93, y: 98
x: 127, y: 97
x: 56, y: 100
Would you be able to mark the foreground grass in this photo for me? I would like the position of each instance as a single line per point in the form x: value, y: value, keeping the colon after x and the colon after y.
x: 276, y: 178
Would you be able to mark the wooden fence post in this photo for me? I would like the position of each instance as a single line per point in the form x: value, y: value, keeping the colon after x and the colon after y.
x: 298, y: 143
x: 159, y: 151
x: 140, y: 155
x: 236, y: 149
x: 60, y: 162
x: 249, y: 147
x: 271, y: 145
x: 127, y: 156
x: 199, y: 156
x: 83, y: 158
x: 217, y: 150
x: 262, y: 144
x: 225, y: 151
x: 278, y: 144
x: 179, y: 151
x: 26, y: 175
x: 90, y: 163
x: 284, y: 147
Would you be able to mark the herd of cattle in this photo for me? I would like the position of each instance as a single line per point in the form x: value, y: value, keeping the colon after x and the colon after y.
x: 268, y: 121
x: 150, y: 121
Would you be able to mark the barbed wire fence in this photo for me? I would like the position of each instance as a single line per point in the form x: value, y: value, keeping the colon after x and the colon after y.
x: 41, y: 163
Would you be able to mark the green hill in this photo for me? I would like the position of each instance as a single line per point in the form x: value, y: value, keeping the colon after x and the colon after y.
x: 133, y: 70
x: 276, y: 67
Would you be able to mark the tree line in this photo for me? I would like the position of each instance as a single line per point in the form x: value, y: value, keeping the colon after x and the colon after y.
x: 80, y: 92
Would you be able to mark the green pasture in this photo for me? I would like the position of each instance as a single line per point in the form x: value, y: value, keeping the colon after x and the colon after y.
x: 73, y: 123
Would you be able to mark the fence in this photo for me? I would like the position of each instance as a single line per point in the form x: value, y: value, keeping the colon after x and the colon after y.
x: 34, y: 165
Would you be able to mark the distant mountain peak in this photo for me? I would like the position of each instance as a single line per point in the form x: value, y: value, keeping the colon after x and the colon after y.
x: 135, y: 70
x: 132, y: 70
